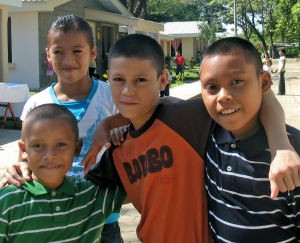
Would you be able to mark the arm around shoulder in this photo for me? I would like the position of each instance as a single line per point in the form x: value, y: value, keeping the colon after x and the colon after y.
x: 284, y: 170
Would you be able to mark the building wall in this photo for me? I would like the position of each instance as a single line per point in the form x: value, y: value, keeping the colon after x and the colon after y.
x: 188, y: 47
x: 25, y: 57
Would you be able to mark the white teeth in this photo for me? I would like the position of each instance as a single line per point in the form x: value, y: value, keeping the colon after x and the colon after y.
x: 229, y: 111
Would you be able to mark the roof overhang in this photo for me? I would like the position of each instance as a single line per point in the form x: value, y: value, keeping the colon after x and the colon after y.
x: 149, y: 26
x: 188, y: 35
x: 38, y: 5
x: 98, y: 15
x: 166, y: 37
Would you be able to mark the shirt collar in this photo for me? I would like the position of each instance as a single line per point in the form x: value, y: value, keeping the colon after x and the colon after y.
x: 36, y: 188
x: 249, y: 146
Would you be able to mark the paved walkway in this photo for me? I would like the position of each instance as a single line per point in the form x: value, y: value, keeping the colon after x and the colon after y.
x: 129, y: 216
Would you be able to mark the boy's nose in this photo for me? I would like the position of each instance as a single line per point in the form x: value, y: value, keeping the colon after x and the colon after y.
x: 50, y: 152
x: 68, y: 57
x: 128, y: 89
x: 224, y: 95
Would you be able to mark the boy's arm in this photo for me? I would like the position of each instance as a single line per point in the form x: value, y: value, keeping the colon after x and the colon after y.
x: 16, y: 173
x: 284, y: 171
x: 102, y: 138
x: 105, y: 173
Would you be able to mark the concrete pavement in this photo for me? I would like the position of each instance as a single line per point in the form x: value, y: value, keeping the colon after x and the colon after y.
x: 129, y: 216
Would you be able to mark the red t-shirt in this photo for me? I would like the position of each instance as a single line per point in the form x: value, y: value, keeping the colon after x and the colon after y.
x: 179, y: 60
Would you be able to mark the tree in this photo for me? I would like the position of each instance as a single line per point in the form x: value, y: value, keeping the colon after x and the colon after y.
x: 288, y: 20
x: 171, y: 10
x: 136, y: 7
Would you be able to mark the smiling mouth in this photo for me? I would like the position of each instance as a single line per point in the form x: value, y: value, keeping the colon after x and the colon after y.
x: 228, y: 112
x: 50, y: 166
x: 69, y: 69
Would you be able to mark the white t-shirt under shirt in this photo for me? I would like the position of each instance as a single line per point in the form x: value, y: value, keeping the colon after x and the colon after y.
x: 88, y: 112
x: 281, y: 62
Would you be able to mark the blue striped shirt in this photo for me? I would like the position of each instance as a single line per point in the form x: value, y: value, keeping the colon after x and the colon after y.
x: 240, y: 207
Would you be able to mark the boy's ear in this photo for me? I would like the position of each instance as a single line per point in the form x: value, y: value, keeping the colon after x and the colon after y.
x: 22, y: 146
x: 78, y: 147
x: 266, y: 82
x: 163, y: 79
x: 93, y: 53
x: 47, y: 54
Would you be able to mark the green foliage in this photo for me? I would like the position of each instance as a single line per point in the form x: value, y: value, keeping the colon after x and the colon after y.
x: 292, y: 52
x: 190, y: 74
x: 170, y: 10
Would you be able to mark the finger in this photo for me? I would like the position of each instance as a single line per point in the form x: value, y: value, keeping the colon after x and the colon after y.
x: 25, y: 172
x: 274, y: 190
x: 3, y: 183
x: 107, y: 145
x: 122, y: 130
x: 89, y: 156
x: 88, y: 166
x: 288, y: 183
x: 13, y: 179
x: 296, y: 178
x: 277, y: 183
x: 115, y: 136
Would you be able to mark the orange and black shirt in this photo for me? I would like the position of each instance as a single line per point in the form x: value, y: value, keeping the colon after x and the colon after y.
x: 162, y: 169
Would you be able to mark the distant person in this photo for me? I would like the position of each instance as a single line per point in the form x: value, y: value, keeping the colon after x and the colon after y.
x: 166, y: 91
x: 49, y: 71
x: 179, y: 60
x: 238, y: 158
x: 199, y: 56
x: 268, y: 66
x: 53, y: 207
x: 281, y: 72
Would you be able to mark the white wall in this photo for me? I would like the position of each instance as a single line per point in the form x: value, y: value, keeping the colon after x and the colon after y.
x: 25, y: 49
x: 187, y: 47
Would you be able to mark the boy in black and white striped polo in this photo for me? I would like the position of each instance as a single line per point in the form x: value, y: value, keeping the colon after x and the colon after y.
x: 238, y: 157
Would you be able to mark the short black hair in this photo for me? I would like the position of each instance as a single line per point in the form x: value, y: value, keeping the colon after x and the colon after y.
x: 283, y: 51
x: 231, y: 45
x: 138, y: 46
x: 53, y: 111
x: 71, y: 22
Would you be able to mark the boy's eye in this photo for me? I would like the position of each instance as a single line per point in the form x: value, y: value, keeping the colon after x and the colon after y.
x: 140, y: 80
x: 60, y: 145
x: 237, y: 81
x: 77, y: 51
x: 56, y: 52
x: 37, y: 146
x: 117, y: 79
x: 211, y: 87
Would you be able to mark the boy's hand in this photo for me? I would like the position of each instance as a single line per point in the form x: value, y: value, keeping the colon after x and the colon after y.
x: 284, y: 172
x: 102, y: 138
x: 15, y: 174
x: 117, y: 135
x: 91, y: 156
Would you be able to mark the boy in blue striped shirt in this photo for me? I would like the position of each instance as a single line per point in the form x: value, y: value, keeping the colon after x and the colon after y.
x: 238, y: 157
